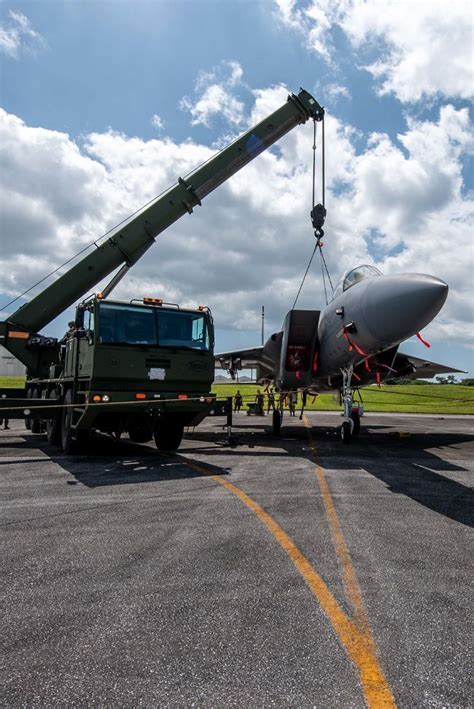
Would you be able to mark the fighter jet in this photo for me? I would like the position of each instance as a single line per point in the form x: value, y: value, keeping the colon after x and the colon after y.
x: 353, y: 342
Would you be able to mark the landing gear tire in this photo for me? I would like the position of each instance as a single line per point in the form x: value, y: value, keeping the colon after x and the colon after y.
x: 168, y: 435
x: 346, y: 433
x: 276, y: 422
x: 355, y: 416
x: 53, y: 425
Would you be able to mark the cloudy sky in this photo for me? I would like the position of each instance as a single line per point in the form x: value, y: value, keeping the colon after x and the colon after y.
x: 105, y: 104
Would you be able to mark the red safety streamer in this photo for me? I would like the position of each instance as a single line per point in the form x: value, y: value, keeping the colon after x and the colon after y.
x: 348, y: 340
x: 354, y: 345
x: 426, y: 344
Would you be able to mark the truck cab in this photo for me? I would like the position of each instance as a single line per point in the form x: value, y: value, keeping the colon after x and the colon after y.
x: 133, y: 342
x: 135, y: 367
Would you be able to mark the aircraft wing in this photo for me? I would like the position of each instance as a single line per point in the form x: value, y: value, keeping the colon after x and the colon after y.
x: 417, y: 368
x: 264, y: 359
x: 244, y: 359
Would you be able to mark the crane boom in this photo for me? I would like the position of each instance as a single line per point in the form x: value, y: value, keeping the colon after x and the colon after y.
x: 131, y: 239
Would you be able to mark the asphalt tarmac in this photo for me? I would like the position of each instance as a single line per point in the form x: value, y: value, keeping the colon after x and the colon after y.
x: 291, y: 572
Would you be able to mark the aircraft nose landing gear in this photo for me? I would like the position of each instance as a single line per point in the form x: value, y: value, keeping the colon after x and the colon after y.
x: 351, y: 424
x: 276, y: 420
x: 346, y: 431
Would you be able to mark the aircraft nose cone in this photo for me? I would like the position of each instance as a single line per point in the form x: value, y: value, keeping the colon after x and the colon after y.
x: 397, y: 307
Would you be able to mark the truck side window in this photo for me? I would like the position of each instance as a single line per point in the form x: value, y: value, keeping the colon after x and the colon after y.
x: 89, y: 325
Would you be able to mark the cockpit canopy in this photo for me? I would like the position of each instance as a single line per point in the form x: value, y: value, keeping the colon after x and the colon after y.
x: 353, y: 276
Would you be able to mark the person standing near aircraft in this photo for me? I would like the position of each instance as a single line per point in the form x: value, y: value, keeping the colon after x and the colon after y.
x: 292, y: 401
x: 270, y: 401
x: 237, y: 401
x: 260, y: 401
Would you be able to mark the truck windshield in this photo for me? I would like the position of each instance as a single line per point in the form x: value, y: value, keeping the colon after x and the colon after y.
x: 138, y: 325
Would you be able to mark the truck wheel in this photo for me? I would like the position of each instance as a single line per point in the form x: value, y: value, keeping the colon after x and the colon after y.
x: 355, y: 416
x: 35, y: 426
x: 29, y: 394
x: 53, y: 424
x: 66, y: 423
x: 168, y: 435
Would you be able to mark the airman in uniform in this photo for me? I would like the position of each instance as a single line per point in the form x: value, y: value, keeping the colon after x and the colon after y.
x: 238, y: 401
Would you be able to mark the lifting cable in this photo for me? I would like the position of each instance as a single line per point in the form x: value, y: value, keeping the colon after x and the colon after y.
x: 304, y: 277
x: 318, y: 215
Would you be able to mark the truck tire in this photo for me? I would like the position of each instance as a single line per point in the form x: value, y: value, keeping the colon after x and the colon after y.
x: 66, y: 423
x: 35, y: 426
x: 53, y: 424
x: 29, y: 394
x: 168, y: 435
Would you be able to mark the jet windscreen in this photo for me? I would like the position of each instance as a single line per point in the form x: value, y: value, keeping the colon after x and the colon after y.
x: 355, y: 275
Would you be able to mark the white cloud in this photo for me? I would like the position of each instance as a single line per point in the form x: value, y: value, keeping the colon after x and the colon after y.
x: 397, y: 192
x: 251, y: 240
x: 424, y: 48
x: 157, y: 122
x: 17, y: 34
x: 215, y: 100
x: 336, y: 91
x: 428, y: 46
x: 215, y: 96
x: 266, y: 101
x: 314, y: 21
x: 227, y: 72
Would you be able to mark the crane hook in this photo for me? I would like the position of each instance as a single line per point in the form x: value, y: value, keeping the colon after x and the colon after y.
x: 318, y: 216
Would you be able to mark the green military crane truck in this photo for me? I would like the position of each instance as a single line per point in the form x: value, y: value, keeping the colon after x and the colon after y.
x: 144, y: 367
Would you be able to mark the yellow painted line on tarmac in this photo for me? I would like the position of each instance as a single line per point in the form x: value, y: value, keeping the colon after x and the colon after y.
x: 356, y: 640
x: 349, y: 578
